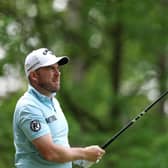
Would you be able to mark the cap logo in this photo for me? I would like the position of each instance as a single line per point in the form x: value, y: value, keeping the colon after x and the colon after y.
x: 46, y: 51
x: 33, y: 66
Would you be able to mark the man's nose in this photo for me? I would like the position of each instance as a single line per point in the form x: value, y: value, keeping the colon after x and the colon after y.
x: 57, y: 72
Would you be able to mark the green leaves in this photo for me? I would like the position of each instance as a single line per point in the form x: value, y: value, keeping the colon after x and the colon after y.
x: 118, y: 63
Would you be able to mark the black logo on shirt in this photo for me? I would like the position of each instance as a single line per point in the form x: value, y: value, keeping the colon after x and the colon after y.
x: 51, y: 119
x: 35, y: 125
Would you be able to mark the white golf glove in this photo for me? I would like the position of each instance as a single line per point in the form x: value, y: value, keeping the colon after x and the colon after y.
x: 85, y: 163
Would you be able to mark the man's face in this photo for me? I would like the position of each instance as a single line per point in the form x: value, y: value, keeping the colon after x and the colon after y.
x: 48, y: 78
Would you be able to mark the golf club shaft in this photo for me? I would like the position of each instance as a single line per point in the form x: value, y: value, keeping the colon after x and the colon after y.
x: 104, y: 146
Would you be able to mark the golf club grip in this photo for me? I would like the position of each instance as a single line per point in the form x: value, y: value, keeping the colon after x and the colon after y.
x: 104, y: 146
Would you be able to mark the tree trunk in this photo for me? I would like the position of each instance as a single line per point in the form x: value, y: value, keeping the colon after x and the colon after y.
x: 116, y: 68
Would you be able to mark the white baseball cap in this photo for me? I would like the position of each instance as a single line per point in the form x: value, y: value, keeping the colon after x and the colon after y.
x: 41, y: 58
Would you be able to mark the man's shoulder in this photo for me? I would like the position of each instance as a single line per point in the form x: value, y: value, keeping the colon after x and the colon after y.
x: 27, y: 101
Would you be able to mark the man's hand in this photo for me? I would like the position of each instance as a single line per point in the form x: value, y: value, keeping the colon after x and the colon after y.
x: 93, y: 153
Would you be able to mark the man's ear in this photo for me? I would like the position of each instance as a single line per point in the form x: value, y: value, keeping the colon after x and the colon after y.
x: 33, y: 76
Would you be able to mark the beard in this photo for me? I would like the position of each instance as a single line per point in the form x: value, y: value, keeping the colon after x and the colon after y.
x: 51, y: 87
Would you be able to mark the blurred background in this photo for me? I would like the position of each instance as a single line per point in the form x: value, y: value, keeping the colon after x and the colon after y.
x: 118, y: 51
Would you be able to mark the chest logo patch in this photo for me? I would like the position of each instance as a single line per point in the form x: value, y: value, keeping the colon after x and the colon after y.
x: 35, y: 125
x: 51, y: 119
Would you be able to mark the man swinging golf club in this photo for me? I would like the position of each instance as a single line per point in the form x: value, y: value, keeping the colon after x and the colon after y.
x: 39, y: 125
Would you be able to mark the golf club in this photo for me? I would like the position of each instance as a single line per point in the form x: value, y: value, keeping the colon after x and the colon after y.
x: 88, y: 164
x: 130, y: 123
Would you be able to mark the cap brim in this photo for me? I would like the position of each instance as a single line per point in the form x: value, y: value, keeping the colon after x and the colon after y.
x: 59, y: 60
x: 63, y: 60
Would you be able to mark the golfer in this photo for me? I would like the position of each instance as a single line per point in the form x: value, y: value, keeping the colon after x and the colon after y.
x: 39, y: 125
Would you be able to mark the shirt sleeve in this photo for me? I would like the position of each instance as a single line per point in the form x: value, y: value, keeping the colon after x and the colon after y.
x: 32, y: 123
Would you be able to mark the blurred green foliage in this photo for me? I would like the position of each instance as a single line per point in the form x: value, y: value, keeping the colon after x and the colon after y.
x: 118, y: 52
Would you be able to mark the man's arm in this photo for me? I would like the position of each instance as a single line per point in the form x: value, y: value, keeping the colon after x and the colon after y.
x: 57, y: 153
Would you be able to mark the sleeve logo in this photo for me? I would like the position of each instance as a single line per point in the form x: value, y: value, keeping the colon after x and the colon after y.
x: 35, y: 125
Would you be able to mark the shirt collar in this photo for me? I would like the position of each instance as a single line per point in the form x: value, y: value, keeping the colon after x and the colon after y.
x: 40, y: 96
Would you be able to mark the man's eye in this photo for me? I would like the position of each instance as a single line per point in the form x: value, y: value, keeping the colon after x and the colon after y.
x: 54, y: 69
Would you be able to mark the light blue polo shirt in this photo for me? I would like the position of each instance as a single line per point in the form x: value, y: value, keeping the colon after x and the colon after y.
x: 37, y: 115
